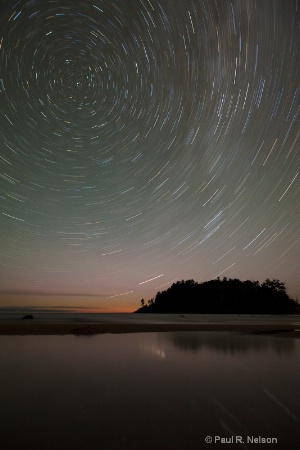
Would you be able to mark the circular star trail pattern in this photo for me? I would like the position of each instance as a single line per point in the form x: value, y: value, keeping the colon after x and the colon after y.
x: 145, y: 141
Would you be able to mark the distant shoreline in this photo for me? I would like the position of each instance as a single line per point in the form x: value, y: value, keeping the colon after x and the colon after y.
x: 31, y: 328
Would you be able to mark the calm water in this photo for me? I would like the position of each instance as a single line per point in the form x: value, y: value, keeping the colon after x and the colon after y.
x: 41, y: 316
x: 153, y: 391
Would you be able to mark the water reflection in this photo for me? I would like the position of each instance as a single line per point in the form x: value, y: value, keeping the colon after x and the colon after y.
x: 230, y: 342
x: 155, y: 349
x: 150, y: 391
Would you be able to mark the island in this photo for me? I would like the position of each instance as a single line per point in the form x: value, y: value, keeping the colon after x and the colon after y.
x: 223, y: 296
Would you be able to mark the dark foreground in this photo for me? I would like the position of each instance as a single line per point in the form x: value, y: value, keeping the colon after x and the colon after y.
x: 153, y: 391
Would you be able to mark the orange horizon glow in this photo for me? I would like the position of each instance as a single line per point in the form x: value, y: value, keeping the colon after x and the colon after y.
x: 67, y: 303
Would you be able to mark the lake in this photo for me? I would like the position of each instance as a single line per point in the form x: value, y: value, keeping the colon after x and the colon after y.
x: 149, y: 391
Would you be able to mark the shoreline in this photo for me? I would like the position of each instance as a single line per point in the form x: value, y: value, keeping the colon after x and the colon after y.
x: 90, y: 328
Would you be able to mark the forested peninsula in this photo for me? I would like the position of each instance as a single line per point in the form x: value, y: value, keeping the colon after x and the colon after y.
x: 223, y: 296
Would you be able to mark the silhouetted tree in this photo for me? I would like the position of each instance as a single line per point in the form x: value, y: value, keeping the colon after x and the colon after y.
x: 275, y: 284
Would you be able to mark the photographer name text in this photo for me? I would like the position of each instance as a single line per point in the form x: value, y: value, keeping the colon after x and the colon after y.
x: 240, y: 440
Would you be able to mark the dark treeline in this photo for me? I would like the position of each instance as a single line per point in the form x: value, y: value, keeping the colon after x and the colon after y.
x: 223, y: 297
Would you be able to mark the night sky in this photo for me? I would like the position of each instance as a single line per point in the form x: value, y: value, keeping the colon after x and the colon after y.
x: 144, y: 142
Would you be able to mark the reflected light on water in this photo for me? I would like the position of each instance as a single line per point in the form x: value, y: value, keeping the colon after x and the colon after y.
x: 154, y: 350
x: 150, y: 391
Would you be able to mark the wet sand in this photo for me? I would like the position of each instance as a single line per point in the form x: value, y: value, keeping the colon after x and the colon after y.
x: 31, y: 328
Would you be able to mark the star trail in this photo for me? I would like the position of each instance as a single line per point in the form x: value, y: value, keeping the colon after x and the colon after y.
x: 147, y: 141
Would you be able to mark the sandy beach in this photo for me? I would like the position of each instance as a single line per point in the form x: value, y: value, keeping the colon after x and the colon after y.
x: 31, y: 328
